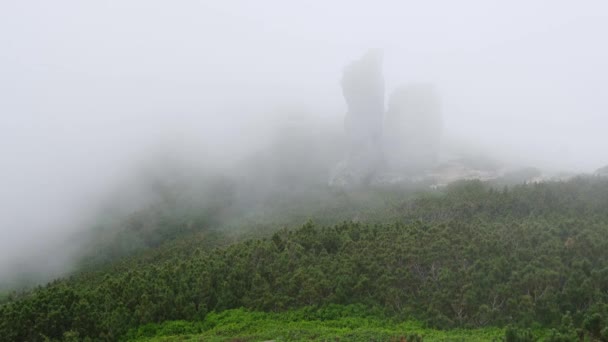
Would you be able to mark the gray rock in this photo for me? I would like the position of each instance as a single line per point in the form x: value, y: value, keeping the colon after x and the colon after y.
x: 363, y: 89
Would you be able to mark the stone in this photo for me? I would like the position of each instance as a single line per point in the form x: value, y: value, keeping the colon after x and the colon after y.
x: 363, y: 90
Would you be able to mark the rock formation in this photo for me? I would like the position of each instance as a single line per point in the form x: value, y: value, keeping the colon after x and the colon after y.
x: 363, y: 89
x: 404, y: 142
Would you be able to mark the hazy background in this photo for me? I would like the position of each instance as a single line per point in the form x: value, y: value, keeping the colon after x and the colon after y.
x: 88, y: 89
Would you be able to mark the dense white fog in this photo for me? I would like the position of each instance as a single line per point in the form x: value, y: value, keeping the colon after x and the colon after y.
x: 89, y: 90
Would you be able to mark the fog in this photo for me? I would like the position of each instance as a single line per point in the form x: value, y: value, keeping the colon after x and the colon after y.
x: 90, y: 91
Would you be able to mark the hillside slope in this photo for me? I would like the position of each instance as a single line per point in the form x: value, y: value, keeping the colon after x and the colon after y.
x: 469, y: 257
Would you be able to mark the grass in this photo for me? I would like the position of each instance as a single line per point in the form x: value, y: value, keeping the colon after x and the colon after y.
x: 337, y: 323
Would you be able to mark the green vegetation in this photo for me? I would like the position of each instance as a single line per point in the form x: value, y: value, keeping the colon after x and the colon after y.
x: 348, y: 323
x: 225, y: 215
x: 3, y: 297
x: 466, y: 259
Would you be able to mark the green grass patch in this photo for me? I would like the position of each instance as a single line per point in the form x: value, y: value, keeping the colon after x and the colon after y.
x: 334, y: 323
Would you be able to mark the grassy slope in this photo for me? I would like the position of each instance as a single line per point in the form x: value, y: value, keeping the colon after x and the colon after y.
x: 242, y: 325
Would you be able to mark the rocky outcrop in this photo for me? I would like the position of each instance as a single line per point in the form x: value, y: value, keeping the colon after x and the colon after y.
x: 384, y: 147
x: 363, y: 89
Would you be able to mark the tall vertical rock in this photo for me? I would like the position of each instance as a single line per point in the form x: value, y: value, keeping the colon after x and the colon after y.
x: 363, y: 89
x: 413, y: 129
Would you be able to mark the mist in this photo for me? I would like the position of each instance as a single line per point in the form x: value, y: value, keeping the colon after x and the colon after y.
x: 92, y: 92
